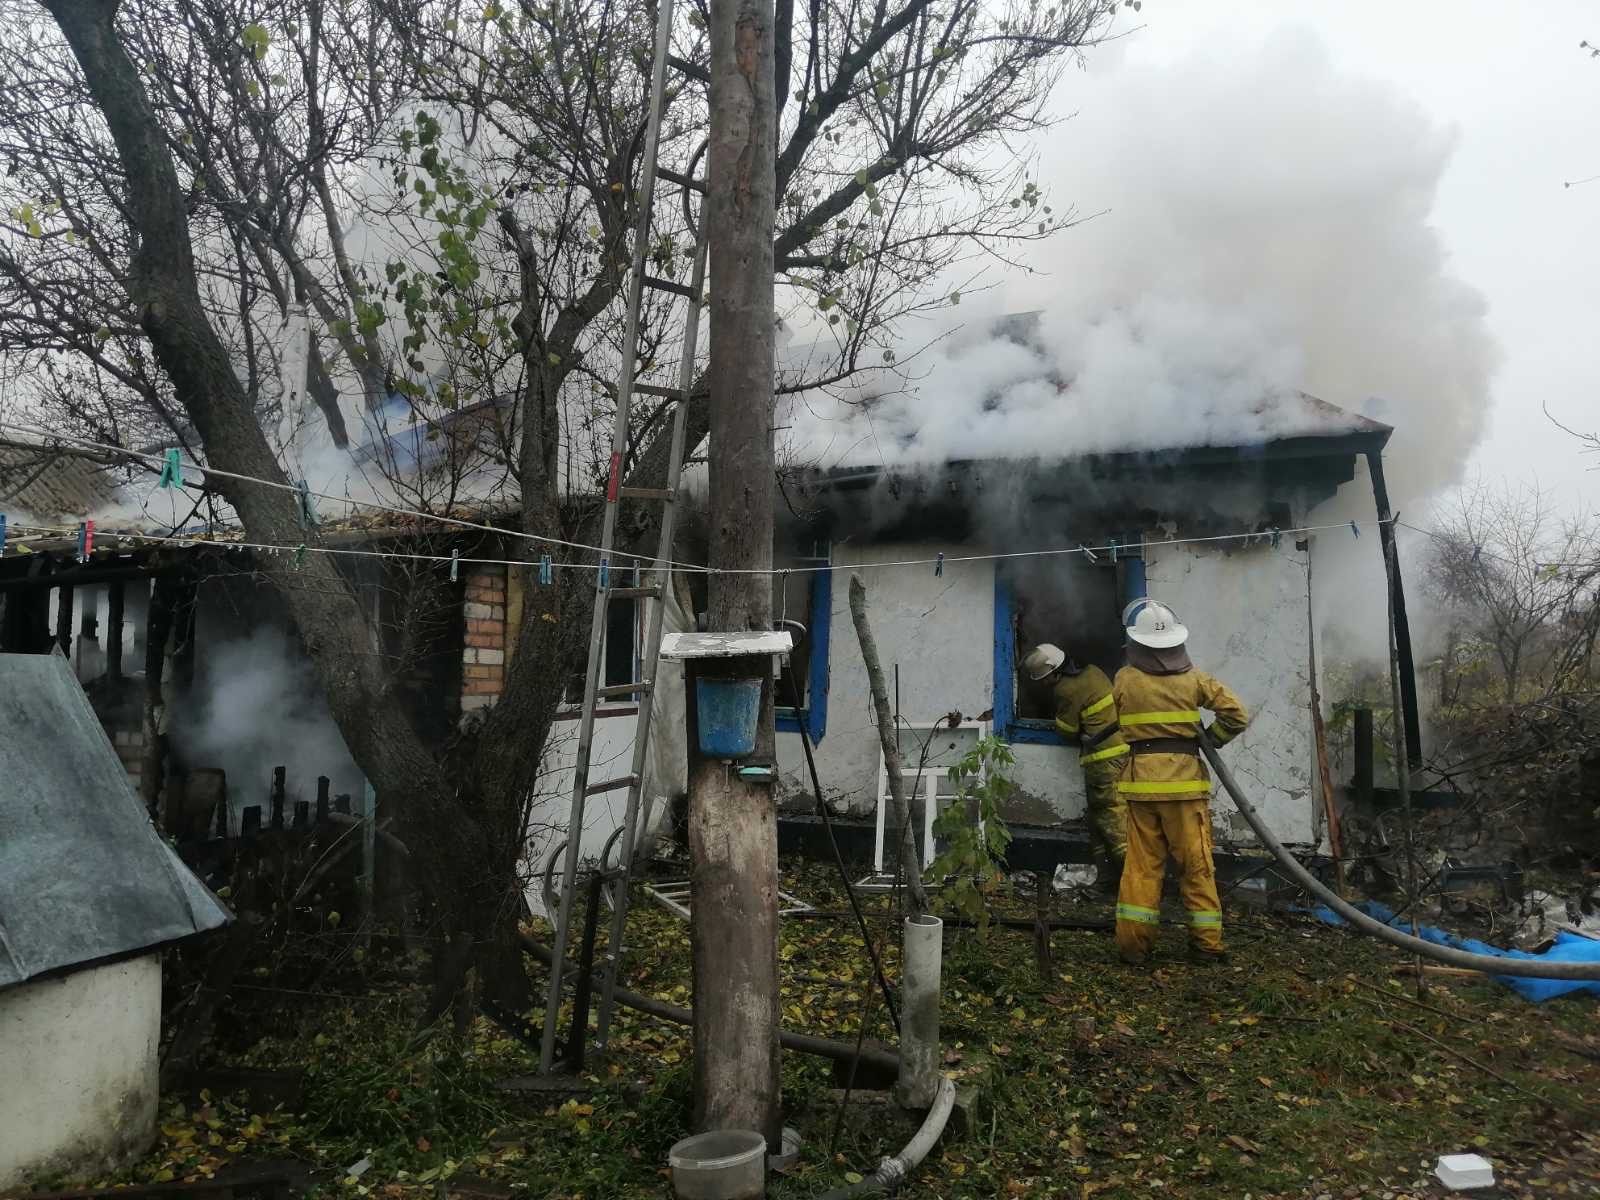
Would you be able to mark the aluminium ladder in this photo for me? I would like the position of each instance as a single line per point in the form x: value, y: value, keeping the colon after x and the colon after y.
x: 660, y: 572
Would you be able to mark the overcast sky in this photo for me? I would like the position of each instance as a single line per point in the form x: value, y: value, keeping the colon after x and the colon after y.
x: 1510, y: 86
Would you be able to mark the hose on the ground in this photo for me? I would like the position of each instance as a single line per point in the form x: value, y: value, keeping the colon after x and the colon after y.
x: 1489, y: 964
x: 892, y: 1172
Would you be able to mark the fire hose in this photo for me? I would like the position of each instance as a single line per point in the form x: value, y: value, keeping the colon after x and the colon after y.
x: 1489, y: 964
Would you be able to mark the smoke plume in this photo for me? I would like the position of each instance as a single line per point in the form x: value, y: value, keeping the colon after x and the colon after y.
x: 1264, y: 229
x: 255, y: 706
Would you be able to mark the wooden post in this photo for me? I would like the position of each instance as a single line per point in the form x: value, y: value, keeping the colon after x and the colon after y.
x: 341, y: 803
x: 158, y: 627
x: 302, y: 813
x: 278, y: 789
x: 369, y: 857
x: 250, y: 821
x: 1406, y: 716
x: 1364, y: 750
x: 115, y: 601
x: 733, y: 840
x: 64, y: 621
x: 323, y: 786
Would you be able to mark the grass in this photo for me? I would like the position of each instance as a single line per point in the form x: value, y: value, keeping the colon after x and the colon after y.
x: 1299, y: 1070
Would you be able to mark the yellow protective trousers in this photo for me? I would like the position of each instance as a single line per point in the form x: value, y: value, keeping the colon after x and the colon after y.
x: 1155, y: 829
x: 1107, y: 811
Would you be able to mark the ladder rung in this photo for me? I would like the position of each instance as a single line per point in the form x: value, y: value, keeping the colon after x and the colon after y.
x: 611, y: 785
x: 636, y: 493
x: 652, y: 592
x: 697, y: 185
x: 622, y: 689
x: 667, y: 285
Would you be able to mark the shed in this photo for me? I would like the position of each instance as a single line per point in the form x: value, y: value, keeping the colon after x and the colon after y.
x: 89, y: 893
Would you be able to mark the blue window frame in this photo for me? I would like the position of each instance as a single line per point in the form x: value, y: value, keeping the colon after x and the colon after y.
x: 813, y: 718
x: 1008, y: 726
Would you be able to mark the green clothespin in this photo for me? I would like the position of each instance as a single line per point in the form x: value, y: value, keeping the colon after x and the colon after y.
x: 299, y: 556
x: 171, y: 471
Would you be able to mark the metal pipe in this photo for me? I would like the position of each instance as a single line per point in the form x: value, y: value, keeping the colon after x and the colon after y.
x: 919, y: 1020
x: 881, y: 1060
x: 1489, y: 964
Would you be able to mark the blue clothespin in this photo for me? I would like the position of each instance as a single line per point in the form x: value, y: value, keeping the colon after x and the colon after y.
x: 308, y: 511
x: 546, y: 573
x: 605, y: 574
x: 171, y: 471
x: 1354, y: 530
x: 2, y: 533
x: 1277, y: 536
x: 1088, y: 553
x: 455, y: 565
x: 1113, y: 544
x: 299, y: 555
x: 85, y: 540
x: 938, y: 565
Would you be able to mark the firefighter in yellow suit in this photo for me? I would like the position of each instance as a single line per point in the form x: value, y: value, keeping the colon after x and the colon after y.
x: 1164, y: 781
x: 1086, y: 715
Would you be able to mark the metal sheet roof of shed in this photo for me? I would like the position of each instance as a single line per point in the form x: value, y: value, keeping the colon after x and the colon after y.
x: 48, y: 485
x: 84, y: 876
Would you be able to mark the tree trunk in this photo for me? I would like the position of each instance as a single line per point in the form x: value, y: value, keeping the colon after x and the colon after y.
x: 732, y: 824
x: 163, y: 287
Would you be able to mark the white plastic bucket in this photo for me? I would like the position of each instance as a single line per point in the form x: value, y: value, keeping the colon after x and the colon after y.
x: 726, y: 1164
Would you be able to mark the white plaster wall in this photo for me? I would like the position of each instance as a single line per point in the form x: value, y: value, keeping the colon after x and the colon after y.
x: 1245, y: 606
x: 1249, y: 626
x: 610, y: 756
x: 938, y: 630
x: 78, y: 1081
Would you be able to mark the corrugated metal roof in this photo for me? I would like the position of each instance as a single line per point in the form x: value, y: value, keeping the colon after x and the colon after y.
x: 84, y: 876
x: 49, y: 485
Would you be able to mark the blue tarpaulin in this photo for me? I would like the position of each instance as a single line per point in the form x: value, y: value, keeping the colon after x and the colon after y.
x: 1569, y: 947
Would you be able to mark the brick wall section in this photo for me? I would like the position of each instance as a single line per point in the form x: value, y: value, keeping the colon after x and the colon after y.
x: 483, y: 661
x: 129, y: 745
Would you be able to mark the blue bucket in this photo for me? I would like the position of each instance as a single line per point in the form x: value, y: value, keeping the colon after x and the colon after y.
x: 729, y: 711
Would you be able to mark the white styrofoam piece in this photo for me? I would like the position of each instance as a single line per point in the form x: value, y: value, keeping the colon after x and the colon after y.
x: 726, y: 645
x: 1464, y: 1172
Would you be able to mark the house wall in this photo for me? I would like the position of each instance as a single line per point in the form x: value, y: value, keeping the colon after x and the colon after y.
x: 1247, y: 610
x: 78, y: 1054
x: 483, y: 658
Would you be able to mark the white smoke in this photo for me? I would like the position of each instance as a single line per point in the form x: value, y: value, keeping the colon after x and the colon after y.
x: 1266, y: 230
x: 255, y: 706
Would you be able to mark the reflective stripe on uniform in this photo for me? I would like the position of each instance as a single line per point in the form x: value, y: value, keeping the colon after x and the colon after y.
x: 1097, y: 755
x: 1137, y: 914
x: 1067, y: 730
x: 1201, y: 916
x: 1173, y: 787
x: 1183, y: 716
x: 1091, y: 709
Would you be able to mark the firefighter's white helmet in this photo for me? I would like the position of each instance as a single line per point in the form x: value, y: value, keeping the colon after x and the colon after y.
x: 1043, y: 659
x: 1155, y: 625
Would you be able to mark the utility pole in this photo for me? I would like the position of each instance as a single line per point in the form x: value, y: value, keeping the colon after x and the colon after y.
x: 733, y: 836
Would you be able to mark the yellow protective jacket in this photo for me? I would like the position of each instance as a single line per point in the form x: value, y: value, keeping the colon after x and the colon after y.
x: 1168, y: 706
x: 1086, y: 713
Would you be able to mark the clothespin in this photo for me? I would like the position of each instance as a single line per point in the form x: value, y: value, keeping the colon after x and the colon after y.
x: 299, y: 555
x: 308, y: 511
x: 171, y: 471
x: 1354, y: 530
x: 1277, y: 536
x: 455, y: 565
x: 605, y: 574
x: 1113, y: 543
x: 1088, y: 553
x: 938, y: 565
x: 85, y: 540
x: 546, y: 573
x: 2, y: 533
